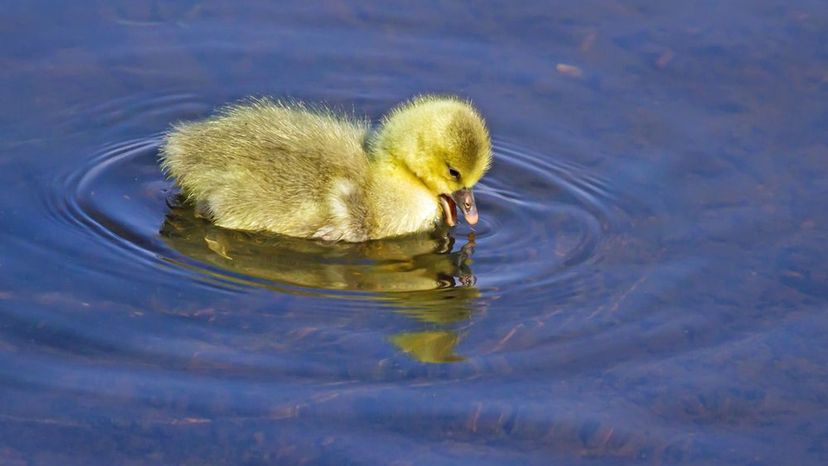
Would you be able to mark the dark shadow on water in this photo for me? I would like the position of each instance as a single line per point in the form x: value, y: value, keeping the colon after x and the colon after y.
x: 425, y: 277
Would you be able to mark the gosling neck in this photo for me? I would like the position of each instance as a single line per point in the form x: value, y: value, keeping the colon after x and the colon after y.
x: 400, y: 202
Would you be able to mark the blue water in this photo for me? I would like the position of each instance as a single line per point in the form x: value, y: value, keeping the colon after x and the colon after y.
x: 648, y: 283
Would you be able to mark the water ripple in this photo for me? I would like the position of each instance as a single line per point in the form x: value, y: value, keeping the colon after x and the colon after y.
x: 544, y: 222
x: 526, y: 238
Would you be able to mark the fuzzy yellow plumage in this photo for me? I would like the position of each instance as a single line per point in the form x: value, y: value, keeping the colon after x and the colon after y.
x: 309, y: 172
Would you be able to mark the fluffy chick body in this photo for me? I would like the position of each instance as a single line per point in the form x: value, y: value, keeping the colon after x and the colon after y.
x: 309, y: 172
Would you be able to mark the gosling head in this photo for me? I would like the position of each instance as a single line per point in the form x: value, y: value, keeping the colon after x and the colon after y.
x: 444, y: 142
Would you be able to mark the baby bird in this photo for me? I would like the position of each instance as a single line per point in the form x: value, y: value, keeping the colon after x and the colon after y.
x: 308, y: 172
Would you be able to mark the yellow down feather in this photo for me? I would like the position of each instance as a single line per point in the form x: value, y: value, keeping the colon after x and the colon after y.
x: 309, y: 172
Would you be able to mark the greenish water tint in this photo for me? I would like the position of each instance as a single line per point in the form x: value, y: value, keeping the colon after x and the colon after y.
x: 647, y: 284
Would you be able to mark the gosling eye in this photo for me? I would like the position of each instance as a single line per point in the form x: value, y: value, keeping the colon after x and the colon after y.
x: 454, y: 173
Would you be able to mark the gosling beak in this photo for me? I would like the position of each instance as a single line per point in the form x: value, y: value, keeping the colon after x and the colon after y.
x: 463, y: 198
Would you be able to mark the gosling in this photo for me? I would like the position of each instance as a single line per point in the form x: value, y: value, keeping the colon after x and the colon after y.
x: 304, y: 171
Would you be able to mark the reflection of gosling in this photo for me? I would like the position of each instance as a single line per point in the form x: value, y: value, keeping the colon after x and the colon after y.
x: 393, y: 268
x: 434, y: 346
x: 307, y: 172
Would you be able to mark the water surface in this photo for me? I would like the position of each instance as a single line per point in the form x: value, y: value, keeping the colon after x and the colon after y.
x: 648, y: 282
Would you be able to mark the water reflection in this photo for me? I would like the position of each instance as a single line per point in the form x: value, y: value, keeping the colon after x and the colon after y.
x: 424, y: 277
x: 431, y: 346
